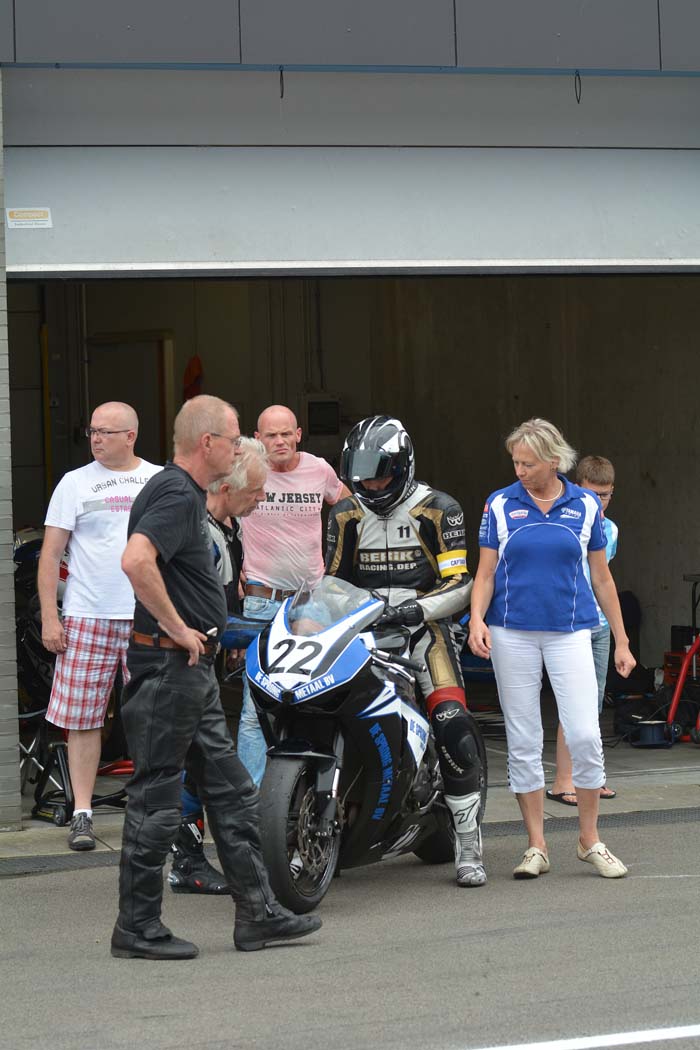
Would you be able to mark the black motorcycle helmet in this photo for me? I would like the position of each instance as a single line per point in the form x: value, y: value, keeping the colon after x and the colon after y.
x: 378, y: 447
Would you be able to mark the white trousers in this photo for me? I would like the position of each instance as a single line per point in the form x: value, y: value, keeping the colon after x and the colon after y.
x: 518, y: 657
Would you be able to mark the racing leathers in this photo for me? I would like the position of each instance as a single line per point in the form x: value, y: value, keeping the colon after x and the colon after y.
x: 416, y: 558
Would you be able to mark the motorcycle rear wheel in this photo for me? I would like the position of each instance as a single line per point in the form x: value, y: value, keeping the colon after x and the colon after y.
x: 439, y: 847
x: 301, y: 866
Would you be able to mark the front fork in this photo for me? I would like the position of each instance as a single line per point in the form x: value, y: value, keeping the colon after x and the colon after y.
x: 328, y: 766
x: 327, y: 779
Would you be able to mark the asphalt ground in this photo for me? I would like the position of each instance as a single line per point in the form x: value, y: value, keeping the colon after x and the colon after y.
x: 568, y: 961
x: 404, y: 958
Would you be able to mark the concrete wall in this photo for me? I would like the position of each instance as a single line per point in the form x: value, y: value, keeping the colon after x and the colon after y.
x: 462, y: 361
x: 137, y: 107
x: 10, y: 802
x: 647, y: 35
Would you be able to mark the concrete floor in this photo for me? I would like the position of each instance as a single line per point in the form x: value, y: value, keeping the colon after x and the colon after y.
x: 645, y: 779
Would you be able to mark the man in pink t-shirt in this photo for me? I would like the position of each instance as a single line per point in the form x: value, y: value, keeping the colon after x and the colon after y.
x: 282, y: 543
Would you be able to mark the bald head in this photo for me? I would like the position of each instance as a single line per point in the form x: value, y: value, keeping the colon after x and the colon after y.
x: 276, y: 415
x: 113, y: 429
x: 123, y: 415
x: 280, y: 434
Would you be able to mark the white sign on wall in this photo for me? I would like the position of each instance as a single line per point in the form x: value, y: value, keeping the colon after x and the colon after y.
x: 28, y: 218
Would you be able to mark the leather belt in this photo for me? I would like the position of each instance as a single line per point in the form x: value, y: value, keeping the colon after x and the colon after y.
x: 276, y: 594
x: 162, y: 641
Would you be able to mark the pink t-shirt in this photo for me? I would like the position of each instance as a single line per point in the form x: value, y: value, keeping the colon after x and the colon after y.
x: 282, y: 537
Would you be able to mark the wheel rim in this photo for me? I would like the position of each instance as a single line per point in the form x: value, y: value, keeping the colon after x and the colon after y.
x: 311, y: 859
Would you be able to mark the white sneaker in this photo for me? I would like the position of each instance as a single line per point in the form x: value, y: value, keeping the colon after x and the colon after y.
x: 604, y: 862
x: 535, y: 862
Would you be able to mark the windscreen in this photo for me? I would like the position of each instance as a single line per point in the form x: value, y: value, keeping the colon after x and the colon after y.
x: 314, y: 609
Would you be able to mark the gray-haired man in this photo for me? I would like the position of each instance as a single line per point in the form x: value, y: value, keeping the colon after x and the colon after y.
x: 234, y: 496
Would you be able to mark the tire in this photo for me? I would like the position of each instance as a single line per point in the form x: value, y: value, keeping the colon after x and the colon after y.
x: 286, y: 831
x: 484, y: 764
x: 439, y: 847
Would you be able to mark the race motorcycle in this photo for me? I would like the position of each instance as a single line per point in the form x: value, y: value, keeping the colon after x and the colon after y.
x: 352, y: 772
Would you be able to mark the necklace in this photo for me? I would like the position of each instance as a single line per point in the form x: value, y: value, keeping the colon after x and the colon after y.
x: 551, y: 499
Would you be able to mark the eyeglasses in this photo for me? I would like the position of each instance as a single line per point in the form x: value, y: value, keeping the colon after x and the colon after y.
x: 235, y: 442
x: 603, y: 495
x: 92, y: 431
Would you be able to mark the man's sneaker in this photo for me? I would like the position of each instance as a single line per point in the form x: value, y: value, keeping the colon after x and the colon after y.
x: 81, y: 835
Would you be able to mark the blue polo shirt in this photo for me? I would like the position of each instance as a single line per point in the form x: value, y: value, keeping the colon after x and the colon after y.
x: 540, y: 582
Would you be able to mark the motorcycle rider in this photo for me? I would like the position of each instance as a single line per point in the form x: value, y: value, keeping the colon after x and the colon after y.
x: 405, y: 540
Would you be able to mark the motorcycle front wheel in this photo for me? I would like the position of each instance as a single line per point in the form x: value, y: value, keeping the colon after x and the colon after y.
x: 300, y: 864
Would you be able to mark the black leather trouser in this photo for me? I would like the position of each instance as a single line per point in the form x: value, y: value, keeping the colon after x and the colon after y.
x: 172, y: 719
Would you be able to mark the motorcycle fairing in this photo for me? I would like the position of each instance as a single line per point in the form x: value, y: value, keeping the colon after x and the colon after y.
x: 389, y: 703
x: 308, y: 665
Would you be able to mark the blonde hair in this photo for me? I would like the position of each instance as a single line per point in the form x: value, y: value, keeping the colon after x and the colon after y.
x: 200, y: 415
x: 544, y: 441
x: 252, y: 453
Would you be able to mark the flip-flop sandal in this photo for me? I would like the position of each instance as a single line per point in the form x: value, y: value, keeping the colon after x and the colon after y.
x: 606, y: 792
x: 563, y: 797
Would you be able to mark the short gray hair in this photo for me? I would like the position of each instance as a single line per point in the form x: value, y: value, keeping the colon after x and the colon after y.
x: 251, y: 453
x: 200, y: 415
x: 544, y: 441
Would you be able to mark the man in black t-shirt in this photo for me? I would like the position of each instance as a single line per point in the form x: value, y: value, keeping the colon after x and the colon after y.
x: 234, y: 496
x: 171, y: 709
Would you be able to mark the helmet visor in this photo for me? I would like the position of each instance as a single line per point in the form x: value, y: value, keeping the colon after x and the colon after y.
x: 362, y: 465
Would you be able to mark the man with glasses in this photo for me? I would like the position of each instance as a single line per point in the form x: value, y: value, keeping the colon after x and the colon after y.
x: 172, y: 712
x: 88, y: 514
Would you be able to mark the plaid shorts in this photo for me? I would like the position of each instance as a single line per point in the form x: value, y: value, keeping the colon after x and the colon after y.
x: 84, y: 675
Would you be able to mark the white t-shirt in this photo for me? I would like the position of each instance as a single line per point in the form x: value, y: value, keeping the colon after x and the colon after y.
x: 282, y: 537
x: 93, y: 503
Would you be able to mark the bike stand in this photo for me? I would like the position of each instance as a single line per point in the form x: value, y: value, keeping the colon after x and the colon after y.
x: 55, y: 805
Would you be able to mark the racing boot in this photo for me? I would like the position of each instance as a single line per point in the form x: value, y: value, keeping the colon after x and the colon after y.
x: 191, y: 871
x: 468, y: 854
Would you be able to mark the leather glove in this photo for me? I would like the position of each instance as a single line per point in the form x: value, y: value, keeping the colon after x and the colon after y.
x: 408, y: 613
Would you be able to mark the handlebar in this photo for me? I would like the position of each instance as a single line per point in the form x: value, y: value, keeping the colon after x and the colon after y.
x: 402, y: 661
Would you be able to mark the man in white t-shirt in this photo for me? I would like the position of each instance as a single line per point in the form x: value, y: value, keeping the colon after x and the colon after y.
x: 282, y: 544
x: 88, y: 514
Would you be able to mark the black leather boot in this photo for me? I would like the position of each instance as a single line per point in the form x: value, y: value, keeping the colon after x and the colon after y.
x: 191, y: 872
x: 278, y: 924
x: 154, y: 942
x: 260, y: 918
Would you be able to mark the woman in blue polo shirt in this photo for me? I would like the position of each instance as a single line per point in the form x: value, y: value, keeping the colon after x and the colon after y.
x: 532, y: 604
